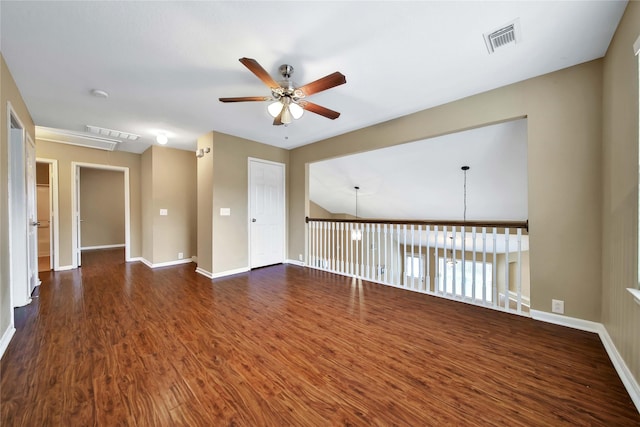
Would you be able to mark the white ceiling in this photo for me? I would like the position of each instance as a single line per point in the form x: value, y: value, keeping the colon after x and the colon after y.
x: 424, y: 180
x: 165, y: 64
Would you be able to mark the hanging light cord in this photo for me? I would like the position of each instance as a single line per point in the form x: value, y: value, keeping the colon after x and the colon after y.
x: 357, y: 188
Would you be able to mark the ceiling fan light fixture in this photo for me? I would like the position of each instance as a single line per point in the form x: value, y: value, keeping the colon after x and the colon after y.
x: 285, y: 117
x: 274, y: 109
x: 296, y: 110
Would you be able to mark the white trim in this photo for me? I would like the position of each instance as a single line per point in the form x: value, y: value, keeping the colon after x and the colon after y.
x: 294, y: 262
x: 204, y: 272
x: 64, y: 268
x: 55, y: 210
x: 229, y: 272
x: 92, y: 248
x: 635, y: 293
x: 161, y: 264
x: 629, y: 381
x: 571, y: 322
x: 513, y: 296
x: 194, y: 259
x: 6, y: 338
x: 636, y: 46
x: 285, y: 225
x: 75, y: 171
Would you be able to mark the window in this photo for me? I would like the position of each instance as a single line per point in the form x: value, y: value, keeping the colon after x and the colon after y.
x: 482, y: 270
x: 413, y: 266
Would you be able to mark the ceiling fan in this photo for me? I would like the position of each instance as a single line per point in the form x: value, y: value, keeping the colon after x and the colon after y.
x: 290, y: 100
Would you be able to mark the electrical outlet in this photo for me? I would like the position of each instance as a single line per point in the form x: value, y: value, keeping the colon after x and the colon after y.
x: 180, y: 255
x: 557, y: 306
x: 300, y: 257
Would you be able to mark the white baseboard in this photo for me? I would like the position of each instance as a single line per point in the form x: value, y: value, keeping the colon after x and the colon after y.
x: 6, y: 339
x: 629, y: 381
x: 93, y: 248
x: 294, y: 262
x: 64, y: 268
x: 571, y: 322
x: 230, y: 272
x: 162, y: 264
x: 204, y: 272
x: 513, y: 296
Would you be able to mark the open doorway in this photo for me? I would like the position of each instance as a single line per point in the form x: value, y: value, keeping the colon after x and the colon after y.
x: 47, y: 214
x: 100, y: 209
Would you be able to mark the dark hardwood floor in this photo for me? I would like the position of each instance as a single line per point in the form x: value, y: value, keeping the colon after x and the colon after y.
x: 121, y: 344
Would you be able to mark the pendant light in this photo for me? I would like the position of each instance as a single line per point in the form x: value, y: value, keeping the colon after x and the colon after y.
x: 357, y: 233
x: 451, y: 260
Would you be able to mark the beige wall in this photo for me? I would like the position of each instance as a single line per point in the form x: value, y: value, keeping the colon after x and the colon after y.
x: 230, y: 190
x: 8, y: 93
x: 317, y: 211
x: 66, y: 154
x: 564, y: 116
x: 620, y: 315
x: 205, y: 205
x: 173, y: 187
x: 146, y: 203
x: 101, y: 207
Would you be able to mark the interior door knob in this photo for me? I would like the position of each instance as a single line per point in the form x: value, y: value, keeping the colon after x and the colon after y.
x: 253, y: 220
x: 36, y: 223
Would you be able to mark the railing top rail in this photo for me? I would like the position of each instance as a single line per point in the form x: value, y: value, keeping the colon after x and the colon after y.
x: 488, y: 224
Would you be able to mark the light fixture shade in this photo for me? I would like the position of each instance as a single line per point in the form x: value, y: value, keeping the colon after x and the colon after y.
x: 296, y: 110
x: 162, y: 139
x: 274, y: 109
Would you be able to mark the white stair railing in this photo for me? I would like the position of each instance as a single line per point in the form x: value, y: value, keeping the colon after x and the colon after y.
x: 482, y: 263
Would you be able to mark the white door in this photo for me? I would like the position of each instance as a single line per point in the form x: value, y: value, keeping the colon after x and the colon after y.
x: 266, y: 213
x: 32, y: 216
x: 18, y: 250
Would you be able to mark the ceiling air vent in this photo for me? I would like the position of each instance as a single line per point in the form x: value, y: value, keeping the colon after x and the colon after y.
x: 112, y: 133
x: 505, y: 36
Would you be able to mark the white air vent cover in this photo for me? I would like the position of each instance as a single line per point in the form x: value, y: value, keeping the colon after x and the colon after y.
x: 504, y: 36
x: 112, y: 133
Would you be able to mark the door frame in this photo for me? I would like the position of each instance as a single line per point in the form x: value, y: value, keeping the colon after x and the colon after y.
x: 53, y: 211
x: 13, y: 298
x: 284, y: 206
x: 75, y: 205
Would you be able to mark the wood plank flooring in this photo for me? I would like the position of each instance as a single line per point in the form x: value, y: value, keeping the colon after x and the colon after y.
x: 121, y: 344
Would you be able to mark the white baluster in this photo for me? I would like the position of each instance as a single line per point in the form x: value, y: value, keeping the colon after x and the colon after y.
x: 519, y: 278
x: 506, y: 268
x: 494, y: 276
x: 473, y: 266
x: 484, y: 265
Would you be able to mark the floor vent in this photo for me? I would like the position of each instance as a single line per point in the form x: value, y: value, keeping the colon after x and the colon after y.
x: 502, y: 37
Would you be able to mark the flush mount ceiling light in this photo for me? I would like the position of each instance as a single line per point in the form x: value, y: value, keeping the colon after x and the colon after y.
x: 99, y: 93
x: 289, y: 99
x: 162, y: 138
x: 112, y: 133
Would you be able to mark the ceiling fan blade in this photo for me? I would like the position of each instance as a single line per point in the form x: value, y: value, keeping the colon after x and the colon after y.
x: 245, y: 99
x: 260, y: 72
x: 326, y: 82
x: 318, y: 109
